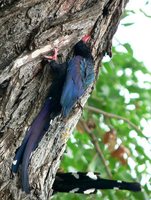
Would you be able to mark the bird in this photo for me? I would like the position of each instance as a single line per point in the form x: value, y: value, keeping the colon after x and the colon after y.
x: 71, y: 79
x: 40, y: 125
x: 80, y: 74
x: 89, y: 183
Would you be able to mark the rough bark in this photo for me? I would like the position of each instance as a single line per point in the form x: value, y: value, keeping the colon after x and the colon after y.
x: 30, y: 29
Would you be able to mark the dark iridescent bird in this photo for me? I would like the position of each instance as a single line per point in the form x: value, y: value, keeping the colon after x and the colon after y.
x: 89, y: 183
x: 51, y: 108
x: 80, y: 74
x: 66, y: 89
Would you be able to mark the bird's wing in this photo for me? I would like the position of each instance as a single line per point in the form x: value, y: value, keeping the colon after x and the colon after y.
x: 87, y: 72
x: 73, y: 86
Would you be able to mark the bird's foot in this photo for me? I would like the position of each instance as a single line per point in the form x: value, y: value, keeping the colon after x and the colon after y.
x: 79, y: 104
x: 86, y: 38
x: 54, y: 57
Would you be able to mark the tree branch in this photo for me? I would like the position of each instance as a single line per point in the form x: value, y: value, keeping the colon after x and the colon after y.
x: 111, y: 115
x: 97, y: 147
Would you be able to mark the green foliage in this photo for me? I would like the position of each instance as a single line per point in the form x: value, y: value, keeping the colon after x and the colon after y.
x: 124, y: 89
x: 149, y: 16
x: 127, y: 13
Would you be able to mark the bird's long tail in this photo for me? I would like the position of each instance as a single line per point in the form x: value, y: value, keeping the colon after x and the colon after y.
x: 19, y: 153
x: 31, y: 140
x: 89, y: 183
x: 31, y: 146
x: 38, y: 130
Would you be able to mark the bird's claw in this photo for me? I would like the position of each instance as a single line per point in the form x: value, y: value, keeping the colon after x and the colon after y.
x: 79, y: 104
x: 86, y: 38
x: 54, y: 57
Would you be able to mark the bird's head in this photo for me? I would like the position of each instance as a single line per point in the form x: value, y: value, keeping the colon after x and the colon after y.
x: 81, y: 48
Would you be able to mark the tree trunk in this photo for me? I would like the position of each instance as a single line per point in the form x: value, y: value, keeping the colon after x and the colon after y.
x: 30, y: 29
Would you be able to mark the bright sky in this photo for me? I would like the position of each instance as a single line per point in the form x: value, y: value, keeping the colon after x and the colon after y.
x: 138, y: 34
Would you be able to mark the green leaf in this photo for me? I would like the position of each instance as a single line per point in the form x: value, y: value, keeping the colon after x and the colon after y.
x: 128, y: 24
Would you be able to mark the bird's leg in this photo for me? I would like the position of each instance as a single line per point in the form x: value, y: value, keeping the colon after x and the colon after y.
x: 54, y: 57
x: 86, y: 38
x: 56, y: 67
